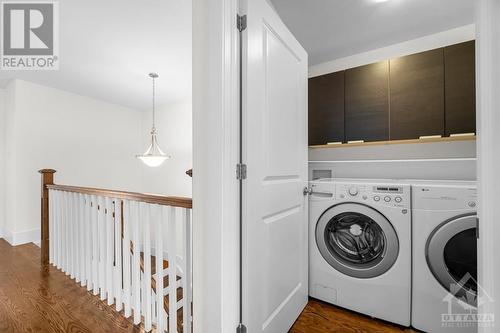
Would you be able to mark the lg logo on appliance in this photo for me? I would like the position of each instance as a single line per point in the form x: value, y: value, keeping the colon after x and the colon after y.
x: 30, y: 37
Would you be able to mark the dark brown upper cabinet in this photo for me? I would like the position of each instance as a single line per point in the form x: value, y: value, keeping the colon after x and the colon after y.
x: 417, y: 95
x: 326, y: 109
x: 460, y: 88
x: 367, y: 102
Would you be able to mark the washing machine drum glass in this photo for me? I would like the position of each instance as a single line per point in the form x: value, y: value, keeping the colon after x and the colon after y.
x: 357, y: 240
x: 452, y: 257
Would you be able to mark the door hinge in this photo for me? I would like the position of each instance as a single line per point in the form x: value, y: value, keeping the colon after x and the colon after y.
x: 241, y: 171
x: 477, y: 227
x: 241, y: 329
x: 241, y: 22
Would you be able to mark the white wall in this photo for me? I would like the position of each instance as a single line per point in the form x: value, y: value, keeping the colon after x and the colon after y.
x: 89, y: 143
x: 215, y: 154
x: 488, y: 120
x: 444, y: 160
x: 2, y: 160
x: 426, y: 43
x: 417, y: 161
x: 174, y: 126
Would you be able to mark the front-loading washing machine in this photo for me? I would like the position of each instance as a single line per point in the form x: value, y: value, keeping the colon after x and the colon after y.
x: 360, y: 246
x: 444, y: 291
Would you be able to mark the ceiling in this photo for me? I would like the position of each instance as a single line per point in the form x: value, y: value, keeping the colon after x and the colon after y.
x: 107, y: 49
x: 332, y: 29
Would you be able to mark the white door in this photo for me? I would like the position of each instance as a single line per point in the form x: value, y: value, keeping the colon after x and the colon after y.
x: 275, y: 239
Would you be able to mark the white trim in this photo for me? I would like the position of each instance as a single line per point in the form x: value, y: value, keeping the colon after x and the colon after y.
x: 488, y: 141
x: 430, y: 42
x: 215, y: 148
x: 21, y: 237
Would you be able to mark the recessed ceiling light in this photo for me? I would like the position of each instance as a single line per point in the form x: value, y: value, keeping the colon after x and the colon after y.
x: 380, y: 1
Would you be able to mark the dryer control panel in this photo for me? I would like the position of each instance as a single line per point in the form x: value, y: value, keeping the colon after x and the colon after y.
x: 445, y: 197
x: 374, y: 194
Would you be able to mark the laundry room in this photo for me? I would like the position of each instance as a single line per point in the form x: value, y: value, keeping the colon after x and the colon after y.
x: 392, y: 164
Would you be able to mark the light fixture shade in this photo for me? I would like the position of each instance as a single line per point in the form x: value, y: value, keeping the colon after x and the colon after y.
x: 154, y: 156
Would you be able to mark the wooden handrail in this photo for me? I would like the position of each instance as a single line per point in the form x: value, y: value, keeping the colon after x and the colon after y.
x: 141, y: 197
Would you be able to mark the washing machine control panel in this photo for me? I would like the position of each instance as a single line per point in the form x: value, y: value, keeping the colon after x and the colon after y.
x: 386, y: 195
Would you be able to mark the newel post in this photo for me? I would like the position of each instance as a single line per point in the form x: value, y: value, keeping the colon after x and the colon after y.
x: 47, y: 179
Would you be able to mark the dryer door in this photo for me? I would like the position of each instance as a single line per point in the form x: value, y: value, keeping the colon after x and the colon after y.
x: 357, y: 240
x: 451, y: 254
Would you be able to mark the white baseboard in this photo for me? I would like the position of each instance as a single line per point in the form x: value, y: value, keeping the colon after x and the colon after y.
x: 21, y: 237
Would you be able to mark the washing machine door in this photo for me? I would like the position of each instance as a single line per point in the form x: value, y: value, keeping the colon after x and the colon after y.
x: 451, y: 254
x: 357, y: 240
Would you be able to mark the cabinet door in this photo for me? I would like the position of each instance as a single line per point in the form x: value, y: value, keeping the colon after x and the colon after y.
x: 417, y: 95
x: 367, y: 102
x: 326, y: 109
x: 460, y: 88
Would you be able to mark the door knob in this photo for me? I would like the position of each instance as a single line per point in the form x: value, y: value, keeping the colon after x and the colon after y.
x: 307, y: 191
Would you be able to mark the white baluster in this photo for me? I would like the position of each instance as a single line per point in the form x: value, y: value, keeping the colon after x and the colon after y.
x: 186, y: 278
x: 158, y: 221
x: 88, y: 241
x: 117, y: 283
x: 64, y: 231
x: 109, y: 249
x: 126, y: 258
x: 136, y: 263
x: 54, y: 240
x: 71, y: 244
x: 147, y: 266
x: 76, y: 238
x: 102, y: 247
x: 94, y: 214
x: 60, y: 229
x: 172, y: 270
x: 81, y: 243
x: 51, y: 226
x: 67, y: 235
x: 67, y: 225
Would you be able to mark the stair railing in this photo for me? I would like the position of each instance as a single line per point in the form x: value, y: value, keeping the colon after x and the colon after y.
x: 131, y: 249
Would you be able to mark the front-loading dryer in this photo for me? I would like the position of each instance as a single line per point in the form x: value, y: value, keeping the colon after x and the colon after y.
x: 444, y: 293
x: 360, y: 247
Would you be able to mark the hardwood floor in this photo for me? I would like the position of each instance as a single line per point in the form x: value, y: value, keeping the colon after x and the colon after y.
x: 35, y: 301
x: 320, y: 317
x: 32, y: 300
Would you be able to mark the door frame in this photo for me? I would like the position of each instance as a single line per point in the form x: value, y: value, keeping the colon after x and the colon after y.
x: 215, y: 155
x: 488, y: 141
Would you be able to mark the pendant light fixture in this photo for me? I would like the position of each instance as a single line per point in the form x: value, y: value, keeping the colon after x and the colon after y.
x: 154, y: 156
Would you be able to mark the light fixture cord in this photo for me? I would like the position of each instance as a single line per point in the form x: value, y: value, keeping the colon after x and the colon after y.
x: 154, y: 120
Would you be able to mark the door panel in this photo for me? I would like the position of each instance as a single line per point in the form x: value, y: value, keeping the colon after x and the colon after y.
x: 282, y: 118
x: 275, y: 258
x: 326, y: 109
x: 417, y: 95
x: 367, y: 102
